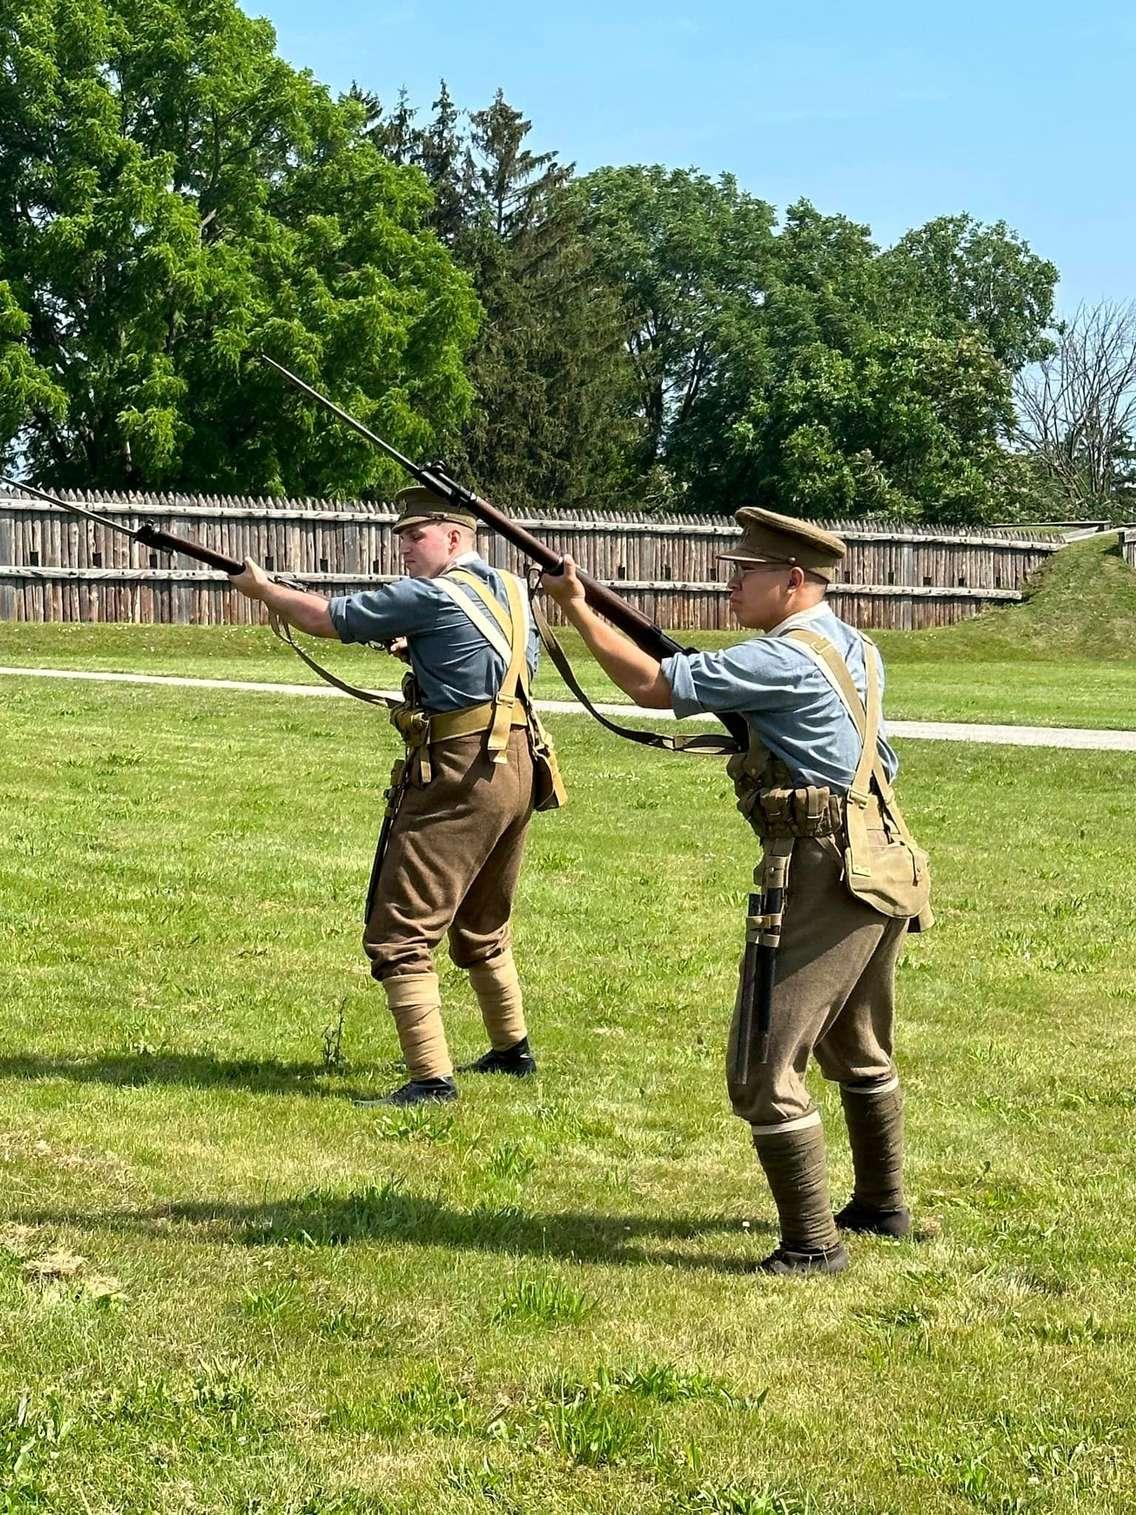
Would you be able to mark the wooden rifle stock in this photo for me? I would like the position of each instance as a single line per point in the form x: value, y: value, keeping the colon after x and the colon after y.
x: 151, y: 536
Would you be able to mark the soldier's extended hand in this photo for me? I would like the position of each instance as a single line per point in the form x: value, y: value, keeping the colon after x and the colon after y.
x: 564, y: 587
x: 251, y: 581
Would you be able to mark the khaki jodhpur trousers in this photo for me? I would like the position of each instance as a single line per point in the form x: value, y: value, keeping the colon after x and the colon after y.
x: 834, y: 996
x: 452, y: 860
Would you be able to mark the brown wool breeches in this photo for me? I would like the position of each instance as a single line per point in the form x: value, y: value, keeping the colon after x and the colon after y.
x: 452, y: 859
x: 835, y: 992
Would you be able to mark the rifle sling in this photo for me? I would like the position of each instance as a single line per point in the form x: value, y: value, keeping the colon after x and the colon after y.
x: 703, y: 745
x: 370, y: 696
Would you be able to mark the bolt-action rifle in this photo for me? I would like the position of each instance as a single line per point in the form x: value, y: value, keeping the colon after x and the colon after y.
x: 650, y: 638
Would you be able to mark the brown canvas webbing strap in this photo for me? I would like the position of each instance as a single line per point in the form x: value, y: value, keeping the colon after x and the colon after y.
x: 704, y: 744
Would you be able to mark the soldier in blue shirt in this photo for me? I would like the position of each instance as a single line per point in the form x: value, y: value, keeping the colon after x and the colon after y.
x: 816, y: 785
x: 451, y: 854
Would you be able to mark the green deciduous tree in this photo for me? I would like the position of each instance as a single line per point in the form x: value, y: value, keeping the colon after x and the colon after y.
x: 955, y: 275
x: 691, y: 259
x: 807, y: 369
x: 173, y: 197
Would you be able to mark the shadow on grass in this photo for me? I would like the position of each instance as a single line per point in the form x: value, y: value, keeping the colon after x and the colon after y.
x: 196, y: 1070
x: 389, y: 1212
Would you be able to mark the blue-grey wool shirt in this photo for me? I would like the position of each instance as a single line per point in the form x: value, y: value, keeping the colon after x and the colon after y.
x: 454, y: 665
x: 779, y: 688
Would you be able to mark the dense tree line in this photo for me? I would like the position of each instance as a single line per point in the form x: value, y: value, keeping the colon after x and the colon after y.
x: 174, y: 197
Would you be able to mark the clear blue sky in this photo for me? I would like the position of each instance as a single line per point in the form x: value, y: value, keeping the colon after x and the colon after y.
x: 886, y: 112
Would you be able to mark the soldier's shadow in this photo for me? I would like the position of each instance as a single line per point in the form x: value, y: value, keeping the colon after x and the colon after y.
x: 389, y: 1212
x: 198, y: 1070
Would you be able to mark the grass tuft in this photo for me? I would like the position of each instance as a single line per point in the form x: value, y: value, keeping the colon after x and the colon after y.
x: 542, y: 1302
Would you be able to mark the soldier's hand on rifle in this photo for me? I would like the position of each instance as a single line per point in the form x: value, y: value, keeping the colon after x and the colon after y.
x: 564, y: 587
x: 251, y: 581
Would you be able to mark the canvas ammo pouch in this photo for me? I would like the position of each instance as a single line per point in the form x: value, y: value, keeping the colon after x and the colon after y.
x: 776, y: 807
x: 893, y: 878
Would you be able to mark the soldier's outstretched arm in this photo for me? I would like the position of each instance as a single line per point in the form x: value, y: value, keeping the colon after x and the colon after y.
x: 299, y: 607
x: 633, y: 670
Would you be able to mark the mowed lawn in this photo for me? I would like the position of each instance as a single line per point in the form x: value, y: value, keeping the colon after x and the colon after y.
x: 225, y: 1288
x: 1066, y: 657
x: 980, y: 682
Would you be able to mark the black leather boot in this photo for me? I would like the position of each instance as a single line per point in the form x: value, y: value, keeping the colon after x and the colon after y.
x: 516, y: 1060
x: 788, y: 1262
x: 866, y: 1220
x: 419, y: 1091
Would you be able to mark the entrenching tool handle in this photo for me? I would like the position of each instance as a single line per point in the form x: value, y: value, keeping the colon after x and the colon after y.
x: 150, y: 536
x: 747, y: 998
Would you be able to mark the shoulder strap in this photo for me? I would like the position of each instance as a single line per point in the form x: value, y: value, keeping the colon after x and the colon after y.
x: 507, y: 633
x: 825, y: 655
x: 489, y: 619
x: 867, y: 719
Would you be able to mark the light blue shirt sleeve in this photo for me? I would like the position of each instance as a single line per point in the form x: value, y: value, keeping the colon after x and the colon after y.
x: 404, y: 608
x: 764, y: 674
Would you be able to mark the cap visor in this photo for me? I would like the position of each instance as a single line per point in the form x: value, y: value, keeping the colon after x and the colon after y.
x: 747, y: 557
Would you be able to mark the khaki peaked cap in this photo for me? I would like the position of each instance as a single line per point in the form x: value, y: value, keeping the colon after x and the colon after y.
x: 771, y: 538
x: 417, y: 505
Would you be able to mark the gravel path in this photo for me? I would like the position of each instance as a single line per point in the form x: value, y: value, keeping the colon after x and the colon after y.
x: 934, y: 731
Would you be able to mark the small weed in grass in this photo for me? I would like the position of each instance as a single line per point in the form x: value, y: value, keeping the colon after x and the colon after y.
x: 542, y: 1302
x: 731, y: 1499
x: 510, y: 1161
x: 354, y: 1320
x: 30, y: 1438
x: 662, y: 1383
x: 667, y: 1384
x: 480, y: 1482
x: 429, y: 1405
x: 596, y: 1431
x: 270, y: 1303
x: 425, y: 1122
x: 333, y: 1058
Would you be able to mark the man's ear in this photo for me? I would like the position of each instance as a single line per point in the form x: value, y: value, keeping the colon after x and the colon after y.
x: 796, y: 578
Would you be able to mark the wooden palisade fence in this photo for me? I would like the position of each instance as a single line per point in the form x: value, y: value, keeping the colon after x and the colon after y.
x: 55, y: 567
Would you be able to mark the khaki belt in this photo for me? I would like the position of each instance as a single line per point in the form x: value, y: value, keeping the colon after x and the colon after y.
x: 449, y: 724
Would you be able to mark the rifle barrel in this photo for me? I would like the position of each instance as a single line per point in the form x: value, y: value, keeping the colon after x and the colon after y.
x: 650, y: 638
x: 148, y: 534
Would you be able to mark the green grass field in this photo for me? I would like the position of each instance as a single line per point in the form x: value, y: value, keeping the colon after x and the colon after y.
x: 225, y: 1288
x: 1067, y: 657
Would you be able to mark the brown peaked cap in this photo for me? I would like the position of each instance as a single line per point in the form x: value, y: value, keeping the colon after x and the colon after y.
x: 418, y: 504
x: 771, y: 538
